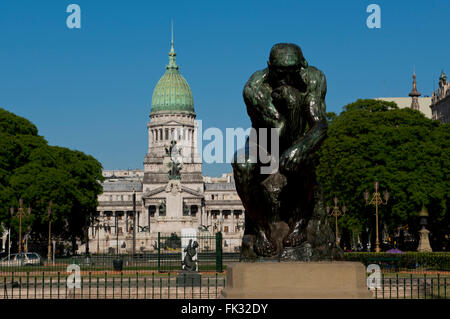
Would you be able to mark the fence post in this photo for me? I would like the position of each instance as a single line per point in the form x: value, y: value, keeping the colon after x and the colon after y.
x: 159, y: 252
x: 219, y: 252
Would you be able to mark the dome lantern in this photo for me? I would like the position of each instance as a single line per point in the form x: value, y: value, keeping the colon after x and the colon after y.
x: 172, y: 92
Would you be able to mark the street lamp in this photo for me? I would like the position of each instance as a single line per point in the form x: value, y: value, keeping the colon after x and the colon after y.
x: 20, y: 214
x: 134, y: 222
x: 376, y: 200
x: 49, y: 248
x: 336, y: 213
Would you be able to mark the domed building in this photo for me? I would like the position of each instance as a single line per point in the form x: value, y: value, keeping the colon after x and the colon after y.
x: 173, y: 181
x: 170, y: 193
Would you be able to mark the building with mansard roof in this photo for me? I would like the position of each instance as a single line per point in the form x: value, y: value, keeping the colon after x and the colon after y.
x: 440, y: 102
x: 170, y: 193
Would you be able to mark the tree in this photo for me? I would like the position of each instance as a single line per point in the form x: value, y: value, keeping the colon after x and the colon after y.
x: 402, y: 149
x: 37, y: 172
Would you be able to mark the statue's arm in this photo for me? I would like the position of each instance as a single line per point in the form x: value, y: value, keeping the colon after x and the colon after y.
x: 315, y: 112
x: 257, y: 98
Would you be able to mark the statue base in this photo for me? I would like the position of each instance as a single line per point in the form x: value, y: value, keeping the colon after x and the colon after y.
x: 424, y: 242
x: 296, y: 280
x: 189, y: 278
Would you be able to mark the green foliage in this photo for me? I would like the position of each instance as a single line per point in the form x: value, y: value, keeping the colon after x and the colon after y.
x: 402, y: 149
x: 173, y: 242
x: 435, y: 261
x: 15, y: 125
x: 37, y: 172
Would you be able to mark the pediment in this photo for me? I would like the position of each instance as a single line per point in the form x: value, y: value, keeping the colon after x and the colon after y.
x: 172, y: 187
x: 173, y: 122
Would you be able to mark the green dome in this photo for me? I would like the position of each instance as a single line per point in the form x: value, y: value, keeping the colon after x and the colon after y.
x: 172, y: 93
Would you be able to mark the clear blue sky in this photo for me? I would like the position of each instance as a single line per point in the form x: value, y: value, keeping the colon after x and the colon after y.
x: 91, y: 89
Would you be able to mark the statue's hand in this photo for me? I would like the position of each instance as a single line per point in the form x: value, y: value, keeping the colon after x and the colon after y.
x: 286, y: 97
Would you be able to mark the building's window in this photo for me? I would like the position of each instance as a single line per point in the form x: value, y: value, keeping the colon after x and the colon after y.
x: 212, y: 197
x: 194, y: 210
x: 225, y: 229
x: 121, y: 198
x: 226, y: 213
x: 110, y: 198
x: 162, y: 210
x: 151, y: 210
x: 120, y: 230
x: 237, y: 213
x: 236, y: 229
x: 167, y: 134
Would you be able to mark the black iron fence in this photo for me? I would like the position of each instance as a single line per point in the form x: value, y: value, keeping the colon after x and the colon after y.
x: 165, y: 256
x: 145, y: 285
x: 400, y: 286
x: 407, y: 262
x: 106, y: 285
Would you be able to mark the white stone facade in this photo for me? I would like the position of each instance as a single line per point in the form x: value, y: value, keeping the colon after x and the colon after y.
x: 170, y: 193
x: 440, y: 105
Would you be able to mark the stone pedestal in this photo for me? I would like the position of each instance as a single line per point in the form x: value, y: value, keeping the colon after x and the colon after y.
x: 296, y: 280
x: 189, y: 279
x: 424, y: 242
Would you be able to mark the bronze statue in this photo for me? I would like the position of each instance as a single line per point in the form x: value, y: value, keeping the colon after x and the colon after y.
x: 174, y: 165
x: 189, y: 264
x: 285, y: 212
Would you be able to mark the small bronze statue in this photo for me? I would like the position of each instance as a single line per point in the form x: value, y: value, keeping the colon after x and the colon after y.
x: 174, y: 165
x: 189, y: 264
x: 285, y: 212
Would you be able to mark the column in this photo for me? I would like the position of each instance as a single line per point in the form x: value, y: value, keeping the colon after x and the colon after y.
x: 232, y: 221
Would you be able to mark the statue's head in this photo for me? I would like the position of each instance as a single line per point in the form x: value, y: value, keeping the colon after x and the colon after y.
x: 285, y: 62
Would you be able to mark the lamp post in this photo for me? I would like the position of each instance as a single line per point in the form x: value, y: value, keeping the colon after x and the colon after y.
x: 49, y: 248
x: 336, y: 213
x: 376, y: 200
x: 117, y: 233
x: 20, y: 214
x: 134, y: 223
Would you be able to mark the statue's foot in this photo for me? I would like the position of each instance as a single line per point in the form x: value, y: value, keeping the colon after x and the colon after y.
x: 295, y: 238
x: 264, y: 247
x: 303, y: 252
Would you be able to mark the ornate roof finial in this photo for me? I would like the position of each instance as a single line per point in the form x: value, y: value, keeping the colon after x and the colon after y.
x: 172, y: 54
x: 414, y: 94
x: 171, y: 42
x: 443, y: 77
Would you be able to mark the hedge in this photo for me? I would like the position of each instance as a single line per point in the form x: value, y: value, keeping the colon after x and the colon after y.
x: 409, y: 260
